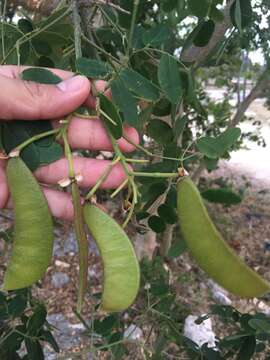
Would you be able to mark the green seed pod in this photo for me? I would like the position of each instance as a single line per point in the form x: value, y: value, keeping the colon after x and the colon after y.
x: 210, y: 250
x: 33, y: 241
x: 121, y: 269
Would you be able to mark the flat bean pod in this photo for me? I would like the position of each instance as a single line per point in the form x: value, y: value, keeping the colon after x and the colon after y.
x: 121, y: 276
x: 33, y: 241
x: 210, y: 250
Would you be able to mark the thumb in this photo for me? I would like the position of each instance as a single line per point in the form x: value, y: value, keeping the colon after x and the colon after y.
x: 28, y: 100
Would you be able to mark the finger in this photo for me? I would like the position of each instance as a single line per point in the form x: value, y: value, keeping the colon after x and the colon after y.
x: 98, y: 86
x: 89, y: 169
x: 29, y: 100
x: 14, y: 71
x: 90, y: 135
x: 59, y: 202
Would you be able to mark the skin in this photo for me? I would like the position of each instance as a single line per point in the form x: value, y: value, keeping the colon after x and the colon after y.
x: 121, y: 269
x: 29, y: 101
x: 210, y: 250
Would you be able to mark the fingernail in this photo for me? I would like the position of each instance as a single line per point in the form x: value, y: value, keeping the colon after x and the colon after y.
x: 72, y: 84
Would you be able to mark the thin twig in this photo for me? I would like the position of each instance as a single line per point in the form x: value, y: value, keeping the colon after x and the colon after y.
x: 102, y: 178
x: 133, y: 22
x: 77, y: 30
x: 101, y: 50
x: 116, y: 7
x: 78, y: 222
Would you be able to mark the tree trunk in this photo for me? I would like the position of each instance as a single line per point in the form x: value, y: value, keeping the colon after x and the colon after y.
x: 200, y: 54
x: 255, y: 93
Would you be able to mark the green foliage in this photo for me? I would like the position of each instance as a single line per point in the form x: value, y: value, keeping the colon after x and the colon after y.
x: 199, y: 9
x: 91, y: 68
x: 241, y: 13
x: 223, y: 196
x: 156, y: 36
x: 126, y: 102
x: 160, y: 131
x: 38, y: 153
x: 216, y: 147
x: 23, y: 323
x: 40, y: 75
x: 140, y: 85
x: 169, y: 78
x: 167, y: 213
x: 110, y: 115
x: 156, y: 224
x: 204, y: 33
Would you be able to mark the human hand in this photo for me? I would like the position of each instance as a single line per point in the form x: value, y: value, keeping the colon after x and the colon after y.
x: 23, y: 100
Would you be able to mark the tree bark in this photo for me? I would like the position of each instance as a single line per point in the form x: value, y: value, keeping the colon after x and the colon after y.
x: 199, y: 54
x: 166, y: 240
x: 255, y: 93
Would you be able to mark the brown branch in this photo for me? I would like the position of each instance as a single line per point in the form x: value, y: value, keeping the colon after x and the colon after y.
x: 255, y: 93
x: 46, y: 7
x: 166, y: 240
x: 87, y: 14
x: 199, y: 54
x: 106, y: 2
x: 196, y: 174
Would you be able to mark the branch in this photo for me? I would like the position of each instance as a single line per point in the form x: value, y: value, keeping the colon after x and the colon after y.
x: 87, y: 14
x: 166, y: 240
x: 77, y: 30
x: 109, y: 3
x: 255, y: 93
x: 200, y: 54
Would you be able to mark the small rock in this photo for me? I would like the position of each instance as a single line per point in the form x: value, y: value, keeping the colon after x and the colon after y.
x: 200, y: 333
x: 221, y: 298
x: 265, y: 309
x: 92, y: 273
x: 69, y: 245
x: 59, y: 279
x: 219, y: 294
x: 133, y: 332
x: 67, y: 335
x: 62, y: 264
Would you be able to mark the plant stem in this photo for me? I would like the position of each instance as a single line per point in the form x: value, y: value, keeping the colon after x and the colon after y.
x: 139, y: 161
x: 155, y: 175
x: 88, y: 117
x: 104, y: 52
x: 3, y: 13
x: 77, y: 30
x: 107, y: 117
x: 79, y: 225
x: 26, y: 37
x: 88, y: 328
x: 128, y: 174
x: 132, y: 25
x: 35, y: 138
x: 120, y: 187
x: 147, y: 152
x: 102, y: 178
x: 113, y: 24
x: 117, y: 151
